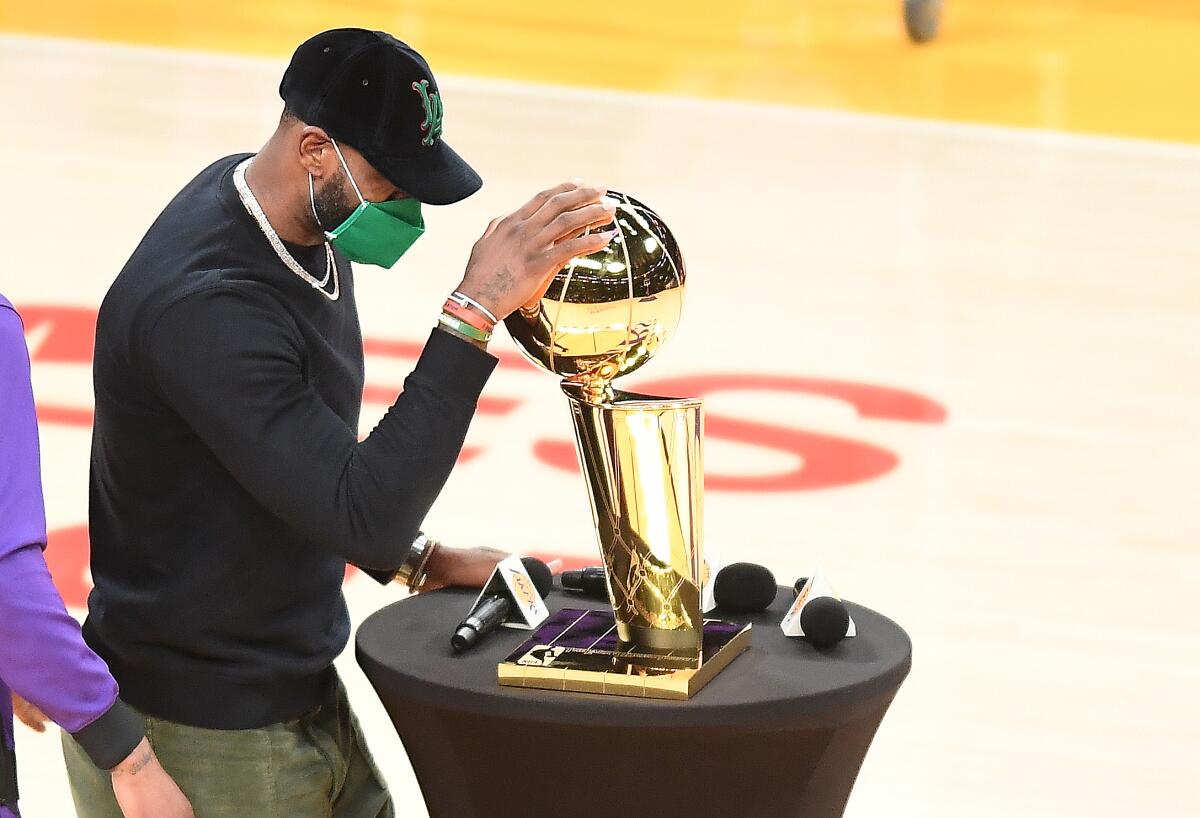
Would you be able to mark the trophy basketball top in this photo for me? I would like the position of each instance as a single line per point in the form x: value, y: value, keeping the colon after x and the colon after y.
x: 606, y: 314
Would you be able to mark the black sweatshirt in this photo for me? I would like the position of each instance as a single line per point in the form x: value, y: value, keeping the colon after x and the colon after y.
x: 228, y: 485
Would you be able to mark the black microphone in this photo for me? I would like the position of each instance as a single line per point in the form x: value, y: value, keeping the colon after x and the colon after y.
x: 588, y: 581
x: 744, y: 587
x: 492, y: 611
x: 824, y: 621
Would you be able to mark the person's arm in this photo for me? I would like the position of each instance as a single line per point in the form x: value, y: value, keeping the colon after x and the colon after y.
x: 144, y: 789
x: 43, y: 658
x: 230, y: 362
x: 42, y: 655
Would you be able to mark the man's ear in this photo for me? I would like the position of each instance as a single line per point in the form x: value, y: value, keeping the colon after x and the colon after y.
x: 315, y: 150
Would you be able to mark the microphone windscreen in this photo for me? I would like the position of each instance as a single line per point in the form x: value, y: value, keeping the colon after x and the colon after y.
x: 539, y: 572
x: 824, y: 621
x: 744, y: 587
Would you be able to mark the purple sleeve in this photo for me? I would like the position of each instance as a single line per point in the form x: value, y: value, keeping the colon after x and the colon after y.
x: 22, y: 515
x: 43, y: 657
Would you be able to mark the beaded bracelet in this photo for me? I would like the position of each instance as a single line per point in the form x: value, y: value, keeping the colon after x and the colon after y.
x: 463, y: 328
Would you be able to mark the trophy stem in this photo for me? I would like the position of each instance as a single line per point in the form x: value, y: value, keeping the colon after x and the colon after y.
x: 642, y: 461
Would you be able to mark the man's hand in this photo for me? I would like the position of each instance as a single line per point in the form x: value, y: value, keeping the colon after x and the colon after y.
x: 518, y: 255
x: 29, y: 715
x: 145, y: 790
x: 467, y: 567
x: 461, y: 567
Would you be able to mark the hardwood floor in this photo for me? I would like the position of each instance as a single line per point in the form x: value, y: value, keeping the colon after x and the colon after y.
x: 955, y: 364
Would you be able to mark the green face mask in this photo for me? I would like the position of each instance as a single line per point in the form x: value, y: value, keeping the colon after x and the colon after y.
x: 376, y: 233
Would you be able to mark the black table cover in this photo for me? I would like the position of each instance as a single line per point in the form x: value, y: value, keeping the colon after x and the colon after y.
x: 781, y: 732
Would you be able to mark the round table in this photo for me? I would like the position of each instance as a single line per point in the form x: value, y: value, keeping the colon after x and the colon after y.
x: 782, y: 731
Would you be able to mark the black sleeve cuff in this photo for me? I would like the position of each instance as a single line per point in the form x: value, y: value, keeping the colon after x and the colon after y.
x: 380, y: 576
x: 455, y: 367
x: 112, y: 737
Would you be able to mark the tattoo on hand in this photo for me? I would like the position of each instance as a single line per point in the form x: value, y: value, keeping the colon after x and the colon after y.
x: 502, y: 283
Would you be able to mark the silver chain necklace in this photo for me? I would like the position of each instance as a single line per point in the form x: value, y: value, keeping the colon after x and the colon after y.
x: 255, y: 210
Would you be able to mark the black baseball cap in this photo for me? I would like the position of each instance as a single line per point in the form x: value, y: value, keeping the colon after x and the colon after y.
x: 371, y: 91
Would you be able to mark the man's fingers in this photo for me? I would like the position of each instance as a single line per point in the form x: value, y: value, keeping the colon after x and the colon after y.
x: 564, y: 202
x: 552, y: 227
x: 572, y: 222
x: 36, y: 725
x: 603, y: 221
x: 29, y: 715
x: 534, y: 204
x: 564, y: 251
x: 540, y: 292
x: 491, y: 228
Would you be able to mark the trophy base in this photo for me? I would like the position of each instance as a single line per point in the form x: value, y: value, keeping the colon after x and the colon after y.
x: 578, y: 650
x: 656, y: 640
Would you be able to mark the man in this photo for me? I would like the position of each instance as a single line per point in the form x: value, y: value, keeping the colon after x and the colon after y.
x: 42, y: 656
x: 228, y: 487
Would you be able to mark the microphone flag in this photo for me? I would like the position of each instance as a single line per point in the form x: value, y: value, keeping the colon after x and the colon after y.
x: 817, y: 586
x: 511, y: 580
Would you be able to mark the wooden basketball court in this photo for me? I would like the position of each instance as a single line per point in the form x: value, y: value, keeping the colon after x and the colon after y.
x: 942, y: 309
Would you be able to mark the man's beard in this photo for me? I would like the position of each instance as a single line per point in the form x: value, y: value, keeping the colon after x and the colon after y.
x: 331, y: 202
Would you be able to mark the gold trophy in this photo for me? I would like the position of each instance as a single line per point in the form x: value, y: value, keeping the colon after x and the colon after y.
x: 604, y: 316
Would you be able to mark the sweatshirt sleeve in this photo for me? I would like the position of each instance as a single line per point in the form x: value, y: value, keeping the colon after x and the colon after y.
x: 229, y: 361
x: 43, y: 657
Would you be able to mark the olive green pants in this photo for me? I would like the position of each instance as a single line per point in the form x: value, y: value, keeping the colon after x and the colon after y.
x: 317, y: 766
